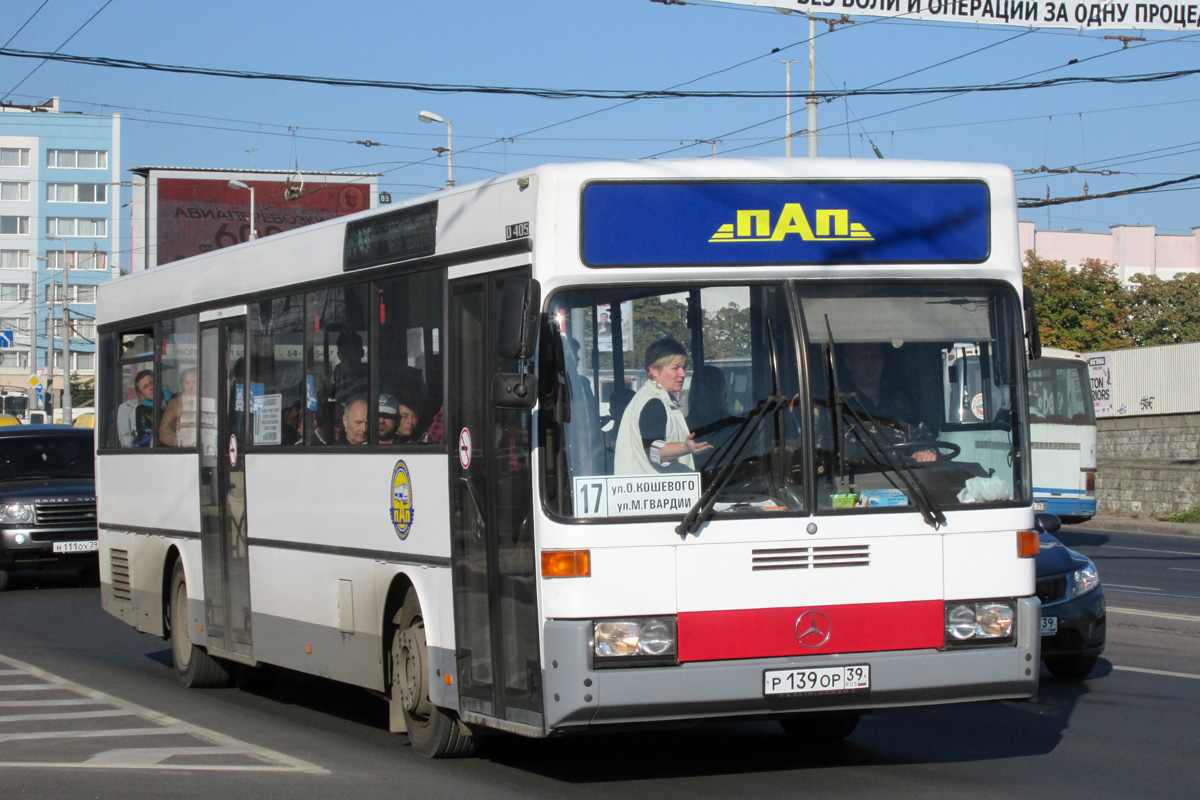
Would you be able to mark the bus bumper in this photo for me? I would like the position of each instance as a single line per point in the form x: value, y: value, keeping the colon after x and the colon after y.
x: 578, y: 696
x: 1072, y: 509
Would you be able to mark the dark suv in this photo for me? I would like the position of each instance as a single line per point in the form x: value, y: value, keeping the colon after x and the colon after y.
x: 47, y: 499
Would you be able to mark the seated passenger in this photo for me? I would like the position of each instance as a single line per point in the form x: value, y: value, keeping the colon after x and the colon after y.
x: 653, y: 437
x: 177, y: 428
x: 354, y: 421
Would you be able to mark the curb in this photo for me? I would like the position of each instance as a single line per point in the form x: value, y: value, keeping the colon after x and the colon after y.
x: 1136, y: 525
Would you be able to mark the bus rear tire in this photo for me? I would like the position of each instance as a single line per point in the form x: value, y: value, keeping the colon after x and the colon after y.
x: 820, y: 728
x: 432, y: 731
x: 194, y: 667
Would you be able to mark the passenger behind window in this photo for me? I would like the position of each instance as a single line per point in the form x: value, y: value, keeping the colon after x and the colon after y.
x: 354, y: 421
x: 135, y: 417
x: 178, y: 425
x: 349, y: 377
x: 293, y: 424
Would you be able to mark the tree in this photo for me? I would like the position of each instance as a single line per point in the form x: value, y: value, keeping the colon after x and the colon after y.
x: 1165, y: 312
x: 1084, y: 309
x: 83, y: 390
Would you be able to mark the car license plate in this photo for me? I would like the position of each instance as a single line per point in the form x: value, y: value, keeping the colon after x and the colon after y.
x: 77, y: 547
x: 1049, y: 626
x: 1039, y: 506
x: 817, y: 680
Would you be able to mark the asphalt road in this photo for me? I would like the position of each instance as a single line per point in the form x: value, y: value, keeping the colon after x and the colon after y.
x: 120, y: 727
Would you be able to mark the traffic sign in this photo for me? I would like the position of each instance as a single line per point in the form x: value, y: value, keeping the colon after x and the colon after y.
x: 6, y: 338
x: 34, y: 382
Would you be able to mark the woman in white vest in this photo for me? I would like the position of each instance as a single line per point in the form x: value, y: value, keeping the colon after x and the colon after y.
x: 654, y: 436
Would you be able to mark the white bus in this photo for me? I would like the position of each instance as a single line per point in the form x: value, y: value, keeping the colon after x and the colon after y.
x: 1062, y: 434
x: 824, y: 558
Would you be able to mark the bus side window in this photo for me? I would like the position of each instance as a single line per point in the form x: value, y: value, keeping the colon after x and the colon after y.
x: 337, y: 339
x: 409, y: 364
x: 136, y: 409
x: 277, y: 377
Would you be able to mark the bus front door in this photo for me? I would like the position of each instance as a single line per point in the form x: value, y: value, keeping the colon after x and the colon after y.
x: 223, y: 534
x: 492, y: 550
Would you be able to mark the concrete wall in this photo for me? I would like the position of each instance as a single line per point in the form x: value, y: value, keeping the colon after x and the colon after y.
x: 1148, y: 465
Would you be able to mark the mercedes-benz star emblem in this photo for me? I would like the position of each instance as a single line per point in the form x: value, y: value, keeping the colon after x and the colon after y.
x: 813, y: 629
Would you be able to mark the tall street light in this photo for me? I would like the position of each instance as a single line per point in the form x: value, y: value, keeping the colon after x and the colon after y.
x: 240, y: 185
x: 429, y: 116
x: 66, y: 320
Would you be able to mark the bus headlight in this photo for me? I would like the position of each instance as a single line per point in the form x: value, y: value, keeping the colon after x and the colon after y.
x: 634, y: 641
x: 983, y: 622
x: 16, y: 513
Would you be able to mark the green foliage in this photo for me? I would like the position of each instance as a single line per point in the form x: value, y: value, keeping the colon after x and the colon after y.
x: 83, y: 390
x: 1186, y: 515
x: 1084, y: 309
x: 1165, y: 312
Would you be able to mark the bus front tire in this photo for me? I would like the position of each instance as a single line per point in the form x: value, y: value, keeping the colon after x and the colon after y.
x: 816, y: 728
x: 433, y: 732
x: 194, y: 667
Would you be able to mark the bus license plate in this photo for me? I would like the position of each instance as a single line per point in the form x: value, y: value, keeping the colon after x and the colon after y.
x: 1039, y: 506
x: 1049, y: 626
x: 817, y: 680
x: 76, y: 547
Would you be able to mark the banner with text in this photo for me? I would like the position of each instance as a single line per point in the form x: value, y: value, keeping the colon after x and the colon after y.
x: 1025, y: 13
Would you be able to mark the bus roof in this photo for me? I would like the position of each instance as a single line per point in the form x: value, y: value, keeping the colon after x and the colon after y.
x: 504, y: 215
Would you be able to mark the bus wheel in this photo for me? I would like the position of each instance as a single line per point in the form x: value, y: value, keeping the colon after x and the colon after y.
x: 3, y: 580
x: 195, y: 668
x: 433, y: 732
x: 1071, y: 668
x: 820, y: 728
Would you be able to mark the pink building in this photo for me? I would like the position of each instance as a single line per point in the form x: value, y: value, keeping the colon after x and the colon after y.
x: 1132, y: 249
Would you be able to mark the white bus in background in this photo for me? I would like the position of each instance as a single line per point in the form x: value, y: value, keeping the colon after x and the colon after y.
x: 493, y: 572
x: 1062, y: 435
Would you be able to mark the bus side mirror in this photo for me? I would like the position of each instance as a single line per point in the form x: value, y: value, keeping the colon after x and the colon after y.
x: 1032, y: 334
x: 520, y: 311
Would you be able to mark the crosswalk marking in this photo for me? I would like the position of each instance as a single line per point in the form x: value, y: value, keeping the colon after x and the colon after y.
x: 52, y: 715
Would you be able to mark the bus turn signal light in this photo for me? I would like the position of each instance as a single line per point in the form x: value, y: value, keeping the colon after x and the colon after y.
x: 1027, y: 544
x: 566, y: 563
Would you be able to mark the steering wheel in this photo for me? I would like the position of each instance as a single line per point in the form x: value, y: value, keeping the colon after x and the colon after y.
x: 946, y: 451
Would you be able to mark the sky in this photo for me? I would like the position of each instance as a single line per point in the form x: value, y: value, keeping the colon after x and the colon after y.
x: 1097, y: 137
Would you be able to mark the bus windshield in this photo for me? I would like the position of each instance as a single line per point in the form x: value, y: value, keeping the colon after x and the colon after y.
x: 781, y: 398
x: 1059, y: 392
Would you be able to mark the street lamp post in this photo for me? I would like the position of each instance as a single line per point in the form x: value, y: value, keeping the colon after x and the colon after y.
x: 429, y: 116
x: 240, y: 185
x: 66, y: 320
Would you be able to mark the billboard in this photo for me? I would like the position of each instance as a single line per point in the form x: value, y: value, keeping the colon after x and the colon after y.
x: 196, y: 213
x: 1077, y: 14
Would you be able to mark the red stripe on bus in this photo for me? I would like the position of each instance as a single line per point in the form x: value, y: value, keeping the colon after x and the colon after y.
x: 774, y: 632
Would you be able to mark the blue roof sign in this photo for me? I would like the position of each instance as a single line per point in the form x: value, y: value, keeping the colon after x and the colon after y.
x: 764, y: 223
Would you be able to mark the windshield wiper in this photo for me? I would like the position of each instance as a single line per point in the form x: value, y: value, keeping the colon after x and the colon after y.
x: 699, y: 513
x: 884, y: 453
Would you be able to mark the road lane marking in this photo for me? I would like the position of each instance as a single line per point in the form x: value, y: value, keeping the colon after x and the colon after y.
x: 1166, y: 673
x: 114, y: 712
x: 1159, y: 614
x: 153, y: 756
x: 1147, y: 550
x: 167, y: 726
x: 1153, y: 594
x: 36, y: 735
x: 74, y: 701
x: 1123, y: 586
